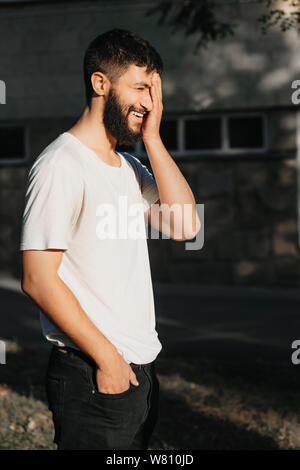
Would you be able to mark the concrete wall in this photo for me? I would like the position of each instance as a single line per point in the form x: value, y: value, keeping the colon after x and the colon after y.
x: 42, y: 48
x: 250, y: 201
x: 250, y: 217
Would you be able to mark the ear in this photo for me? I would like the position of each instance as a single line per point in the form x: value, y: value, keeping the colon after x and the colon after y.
x: 100, y: 83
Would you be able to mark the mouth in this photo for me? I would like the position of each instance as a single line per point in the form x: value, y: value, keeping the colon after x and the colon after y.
x: 138, y: 116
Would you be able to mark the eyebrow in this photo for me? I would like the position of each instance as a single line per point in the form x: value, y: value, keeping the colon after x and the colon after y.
x: 142, y: 84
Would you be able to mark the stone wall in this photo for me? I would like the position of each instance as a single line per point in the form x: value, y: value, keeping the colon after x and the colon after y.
x: 250, y: 201
x: 250, y: 216
x: 250, y: 225
x: 12, y: 191
x: 42, y: 49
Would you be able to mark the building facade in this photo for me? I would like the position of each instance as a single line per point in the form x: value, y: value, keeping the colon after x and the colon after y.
x: 228, y: 122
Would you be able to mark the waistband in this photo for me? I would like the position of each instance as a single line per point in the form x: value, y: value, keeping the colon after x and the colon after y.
x: 86, y: 357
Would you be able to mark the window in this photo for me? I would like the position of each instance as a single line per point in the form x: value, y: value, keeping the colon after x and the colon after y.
x: 203, y: 134
x: 12, y: 144
x: 169, y: 130
x: 245, y: 132
x: 170, y: 133
x: 228, y: 133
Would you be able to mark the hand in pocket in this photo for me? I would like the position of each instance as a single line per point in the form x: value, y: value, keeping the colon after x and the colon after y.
x: 115, y: 377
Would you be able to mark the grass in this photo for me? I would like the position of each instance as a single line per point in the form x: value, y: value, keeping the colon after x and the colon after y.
x: 204, y: 403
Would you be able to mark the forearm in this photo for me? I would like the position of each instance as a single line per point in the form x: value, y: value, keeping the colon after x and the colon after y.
x: 172, y: 185
x: 61, y: 306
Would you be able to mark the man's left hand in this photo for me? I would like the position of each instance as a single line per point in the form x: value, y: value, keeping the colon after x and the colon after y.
x: 151, y: 125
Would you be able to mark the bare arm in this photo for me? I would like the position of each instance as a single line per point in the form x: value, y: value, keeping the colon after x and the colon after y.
x: 42, y: 283
x: 175, y: 194
x: 160, y: 219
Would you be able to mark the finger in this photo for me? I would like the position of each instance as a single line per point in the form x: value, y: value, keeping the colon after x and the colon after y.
x: 133, y: 378
x: 155, y: 94
x: 154, y: 98
x: 152, y: 91
x: 158, y: 89
x: 157, y: 83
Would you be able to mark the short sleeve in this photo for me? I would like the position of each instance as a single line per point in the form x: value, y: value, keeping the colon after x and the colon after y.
x: 148, y: 185
x: 53, y: 201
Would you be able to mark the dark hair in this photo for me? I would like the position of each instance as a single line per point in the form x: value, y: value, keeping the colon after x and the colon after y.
x: 112, y: 52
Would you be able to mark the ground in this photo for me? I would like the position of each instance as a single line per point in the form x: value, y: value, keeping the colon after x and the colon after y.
x: 204, y: 403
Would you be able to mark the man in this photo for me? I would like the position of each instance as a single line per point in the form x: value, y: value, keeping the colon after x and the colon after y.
x: 95, y: 291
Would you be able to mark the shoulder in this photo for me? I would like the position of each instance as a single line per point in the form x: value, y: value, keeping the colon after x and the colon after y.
x: 57, y: 158
x: 131, y: 158
x: 135, y: 162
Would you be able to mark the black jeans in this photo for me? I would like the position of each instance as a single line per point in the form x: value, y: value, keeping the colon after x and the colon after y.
x: 85, y: 418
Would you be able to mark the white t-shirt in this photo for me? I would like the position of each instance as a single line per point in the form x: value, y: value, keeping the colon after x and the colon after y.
x: 67, y: 189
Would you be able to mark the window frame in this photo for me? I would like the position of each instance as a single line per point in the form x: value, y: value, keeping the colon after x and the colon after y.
x: 225, y: 149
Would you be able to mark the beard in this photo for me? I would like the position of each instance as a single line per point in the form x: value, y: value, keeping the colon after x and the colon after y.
x: 115, y: 120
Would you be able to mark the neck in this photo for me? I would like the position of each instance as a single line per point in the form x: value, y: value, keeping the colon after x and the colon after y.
x: 92, y: 132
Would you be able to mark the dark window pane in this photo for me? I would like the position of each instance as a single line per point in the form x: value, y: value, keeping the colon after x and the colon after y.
x: 203, y: 134
x: 246, y: 132
x: 12, y: 142
x: 168, y: 132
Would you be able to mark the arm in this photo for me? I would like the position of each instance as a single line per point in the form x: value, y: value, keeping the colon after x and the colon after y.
x: 42, y: 283
x: 175, y: 194
x: 52, y: 205
x: 164, y: 224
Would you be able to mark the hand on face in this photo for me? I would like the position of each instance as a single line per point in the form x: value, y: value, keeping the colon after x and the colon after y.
x: 151, y: 124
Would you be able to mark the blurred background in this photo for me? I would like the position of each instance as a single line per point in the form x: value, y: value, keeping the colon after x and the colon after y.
x: 227, y: 314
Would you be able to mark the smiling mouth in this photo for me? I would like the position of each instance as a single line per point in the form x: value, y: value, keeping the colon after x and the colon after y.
x: 138, y: 116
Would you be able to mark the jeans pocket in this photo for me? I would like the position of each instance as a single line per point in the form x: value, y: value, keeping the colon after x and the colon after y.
x: 55, y: 394
x: 91, y: 375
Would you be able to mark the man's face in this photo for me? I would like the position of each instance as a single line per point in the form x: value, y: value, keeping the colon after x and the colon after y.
x: 131, y: 94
